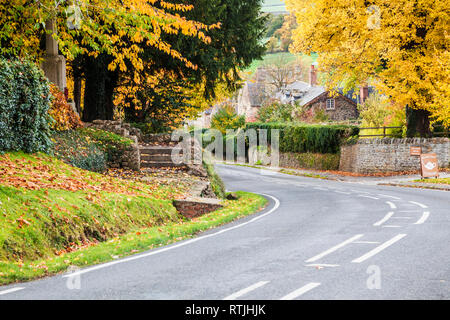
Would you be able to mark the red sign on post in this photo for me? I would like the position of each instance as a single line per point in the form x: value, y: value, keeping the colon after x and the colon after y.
x: 415, y: 151
x: 429, y: 165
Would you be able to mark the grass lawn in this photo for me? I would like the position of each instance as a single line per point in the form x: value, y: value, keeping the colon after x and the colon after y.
x: 284, y: 57
x: 137, y: 240
x: 439, y: 181
x: 53, y: 215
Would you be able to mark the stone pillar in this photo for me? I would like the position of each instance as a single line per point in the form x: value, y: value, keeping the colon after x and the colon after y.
x: 54, y: 65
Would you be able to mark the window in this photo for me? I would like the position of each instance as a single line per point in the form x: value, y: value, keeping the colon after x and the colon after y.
x: 331, y: 104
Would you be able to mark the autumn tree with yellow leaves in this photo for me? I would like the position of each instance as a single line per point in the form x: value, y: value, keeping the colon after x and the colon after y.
x: 116, y: 29
x: 399, y: 46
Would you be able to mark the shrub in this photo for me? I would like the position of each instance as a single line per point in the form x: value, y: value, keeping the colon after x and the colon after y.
x: 216, y: 182
x: 308, y: 138
x: 79, y: 150
x: 318, y: 161
x: 24, y: 103
x: 89, y: 149
x: 275, y: 112
x: 226, y: 118
x: 63, y: 114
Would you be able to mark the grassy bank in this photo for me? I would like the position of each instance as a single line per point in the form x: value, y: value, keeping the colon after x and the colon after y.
x: 48, y: 207
x: 435, y: 181
x: 134, y: 241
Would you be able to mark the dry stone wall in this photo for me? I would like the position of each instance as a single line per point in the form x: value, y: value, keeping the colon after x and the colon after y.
x: 130, y: 157
x: 391, y: 154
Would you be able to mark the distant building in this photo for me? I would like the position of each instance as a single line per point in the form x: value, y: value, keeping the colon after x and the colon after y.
x: 250, y: 98
x: 337, y: 107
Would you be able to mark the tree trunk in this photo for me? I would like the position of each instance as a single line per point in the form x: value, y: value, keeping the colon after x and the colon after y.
x: 77, y: 93
x: 99, y: 89
x: 417, y: 123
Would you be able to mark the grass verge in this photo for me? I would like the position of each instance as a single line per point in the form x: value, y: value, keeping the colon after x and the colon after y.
x: 434, y: 181
x: 135, y: 241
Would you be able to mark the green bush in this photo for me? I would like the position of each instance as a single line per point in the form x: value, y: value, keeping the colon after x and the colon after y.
x: 216, y: 182
x: 226, y: 118
x: 301, y: 138
x: 79, y: 150
x: 24, y: 103
x: 89, y: 149
x: 275, y: 112
x: 318, y: 161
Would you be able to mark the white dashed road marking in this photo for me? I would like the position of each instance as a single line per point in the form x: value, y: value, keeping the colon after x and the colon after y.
x: 297, y: 293
x: 322, y: 265
x: 342, y: 244
x: 242, y: 292
x: 379, y: 248
x: 370, y: 197
x: 392, y: 197
x: 391, y: 204
x: 419, y: 204
x: 423, y: 218
x: 386, y: 218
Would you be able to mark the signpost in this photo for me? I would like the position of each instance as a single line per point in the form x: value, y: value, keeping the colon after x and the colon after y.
x: 429, y: 165
x: 415, y: 151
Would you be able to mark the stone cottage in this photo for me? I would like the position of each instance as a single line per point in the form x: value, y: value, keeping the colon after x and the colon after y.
x: 250, y: 98
x: 337, y: 107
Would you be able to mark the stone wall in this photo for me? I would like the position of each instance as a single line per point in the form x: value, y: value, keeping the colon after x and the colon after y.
x: 391, y: 155
x: 196, y: 207
x: 345, y: 109
x: 130, y: 158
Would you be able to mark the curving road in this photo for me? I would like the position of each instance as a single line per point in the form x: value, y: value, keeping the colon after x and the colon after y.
x: 316, y: 240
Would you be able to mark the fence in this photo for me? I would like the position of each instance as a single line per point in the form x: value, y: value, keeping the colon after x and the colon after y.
x: 384, y: 135
x: 444, y: 133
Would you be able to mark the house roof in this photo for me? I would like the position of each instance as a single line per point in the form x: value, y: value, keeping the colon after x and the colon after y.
x: 311, y: 94
x: 298, y: 85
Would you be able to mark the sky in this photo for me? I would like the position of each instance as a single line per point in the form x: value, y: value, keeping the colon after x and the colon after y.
x: 273, y: 6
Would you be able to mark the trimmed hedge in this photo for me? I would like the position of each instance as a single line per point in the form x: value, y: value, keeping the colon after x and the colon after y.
x: 300, y: 138
x: 24, y: 103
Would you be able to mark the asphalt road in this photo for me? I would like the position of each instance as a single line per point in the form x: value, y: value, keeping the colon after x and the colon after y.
x: 316, y: 240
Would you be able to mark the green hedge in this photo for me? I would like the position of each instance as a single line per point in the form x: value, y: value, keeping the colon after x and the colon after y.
x: 300, y: 138
x: 24, y: 103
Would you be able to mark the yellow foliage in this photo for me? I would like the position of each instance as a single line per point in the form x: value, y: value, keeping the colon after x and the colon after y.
x: 65, y: 118
x: 400, y: 45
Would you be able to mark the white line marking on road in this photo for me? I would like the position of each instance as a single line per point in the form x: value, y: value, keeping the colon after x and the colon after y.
x: 242, y: 292
x: 419, y: 204
x: 379, y: 248
x: 358, y: 191
x: 401, y: 217
x: 392, y: 197
x: 321, y: 265
x: 319, y: 188
x: 392, y: 205
x: 367, y: 242
x: 391, y: 226
x: 136, y: 257
x: 342, y: 192
x: 409, y: 211
x: 370, y: 197
x: 342, y: 244
x: 386, y: 218
x: 297, y: 293
x: 11, y: 290
x: 423, y: 218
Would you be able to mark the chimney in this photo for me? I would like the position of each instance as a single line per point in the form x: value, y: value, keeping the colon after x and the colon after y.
x: 363, y: 94
x: 312, y: 76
